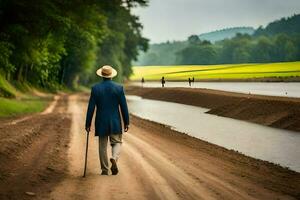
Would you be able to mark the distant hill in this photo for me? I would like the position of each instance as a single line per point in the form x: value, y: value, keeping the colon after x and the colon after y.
x: 226, y: 33
x: 287, y: 25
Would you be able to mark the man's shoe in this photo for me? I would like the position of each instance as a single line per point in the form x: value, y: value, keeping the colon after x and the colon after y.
x: 114, y: 167
x: 104, y: 173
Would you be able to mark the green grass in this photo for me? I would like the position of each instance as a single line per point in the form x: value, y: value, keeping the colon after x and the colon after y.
x: 12, y: 107
x: 227, y: 71
x: 6, y: 89
x: 13, y: 101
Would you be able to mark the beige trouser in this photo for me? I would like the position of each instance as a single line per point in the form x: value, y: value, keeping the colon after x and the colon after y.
x: 115, y: 142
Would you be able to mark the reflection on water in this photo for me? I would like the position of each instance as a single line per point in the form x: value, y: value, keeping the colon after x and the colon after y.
x: 263, y: 88
x: 266, y: 143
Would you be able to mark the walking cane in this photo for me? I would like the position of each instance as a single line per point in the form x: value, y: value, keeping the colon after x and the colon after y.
x: 86, y: 152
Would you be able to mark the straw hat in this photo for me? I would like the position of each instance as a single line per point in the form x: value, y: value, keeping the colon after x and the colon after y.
x: 106, y: 71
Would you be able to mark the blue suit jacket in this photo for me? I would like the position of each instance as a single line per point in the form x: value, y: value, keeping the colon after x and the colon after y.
x: 107, y: 97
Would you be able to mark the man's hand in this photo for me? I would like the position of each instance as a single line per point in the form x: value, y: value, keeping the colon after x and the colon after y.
x: 88, y: 129
x: 126, y: 128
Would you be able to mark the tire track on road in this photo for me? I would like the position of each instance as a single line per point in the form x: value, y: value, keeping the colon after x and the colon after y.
x: 207, y: 188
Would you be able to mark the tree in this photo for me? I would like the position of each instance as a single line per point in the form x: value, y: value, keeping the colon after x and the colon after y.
x: 6, y: 50
x: 241, y: 55
x: 236, y: 50
x: 53, y: 42
x: 197, y: 54
x: 193, y: 39
x: 263, y: 51
x: 285, y: 50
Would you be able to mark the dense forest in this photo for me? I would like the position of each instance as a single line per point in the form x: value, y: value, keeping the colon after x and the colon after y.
x: 50, y: 43
x: 279, y: 41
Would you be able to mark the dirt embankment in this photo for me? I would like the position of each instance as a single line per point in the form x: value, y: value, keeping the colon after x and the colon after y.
x: 33, y: 152
x: 279, y: 112
x: 218, y: 166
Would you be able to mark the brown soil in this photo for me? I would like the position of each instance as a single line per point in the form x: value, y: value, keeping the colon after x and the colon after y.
x: 159, y: 163
x: 156, y: 163
x: 224, y: 168
x: 279, y: 112
x: 33, y: 152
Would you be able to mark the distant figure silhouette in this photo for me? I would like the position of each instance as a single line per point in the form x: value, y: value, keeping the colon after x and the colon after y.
x: 193, y: 80
x: 143, y: 81
x: 190, y: 82
x: 163, y: 81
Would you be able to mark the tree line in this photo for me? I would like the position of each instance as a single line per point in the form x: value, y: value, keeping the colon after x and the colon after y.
x: 62, y: 42
x: 243, y: 48
x: 279, y: 41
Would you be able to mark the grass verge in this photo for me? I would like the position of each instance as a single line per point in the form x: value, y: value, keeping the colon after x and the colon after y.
x: 13, y: 107
x: 6, y: 89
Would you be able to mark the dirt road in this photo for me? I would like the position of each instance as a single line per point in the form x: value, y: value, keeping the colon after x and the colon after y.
x: 157, y: 163
x: 156, y: 166
x: 33, y: 150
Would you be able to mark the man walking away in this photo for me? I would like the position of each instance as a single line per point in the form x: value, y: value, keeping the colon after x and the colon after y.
x: 143, y: 81
x: 163, y: 81
x: 108, y: 97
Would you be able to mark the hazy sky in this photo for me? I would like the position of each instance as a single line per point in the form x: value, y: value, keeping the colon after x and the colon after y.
x: 177, y: 19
